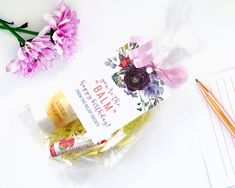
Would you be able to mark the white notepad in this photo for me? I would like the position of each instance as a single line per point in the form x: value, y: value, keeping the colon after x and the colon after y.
x: 217, y: 144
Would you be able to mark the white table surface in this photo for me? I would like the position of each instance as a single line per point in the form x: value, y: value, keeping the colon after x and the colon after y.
x: 168, y: 155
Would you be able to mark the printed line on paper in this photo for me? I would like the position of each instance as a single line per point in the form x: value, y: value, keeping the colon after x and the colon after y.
x: 222, y: 129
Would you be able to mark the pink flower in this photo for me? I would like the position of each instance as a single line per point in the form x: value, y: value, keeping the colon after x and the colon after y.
x: 33, y: 56
x: 64, y: 25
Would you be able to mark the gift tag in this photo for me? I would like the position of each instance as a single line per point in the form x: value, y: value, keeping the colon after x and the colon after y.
x: 115, y: 93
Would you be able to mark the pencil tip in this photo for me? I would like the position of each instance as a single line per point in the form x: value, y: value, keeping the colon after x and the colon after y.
x: 201, y: 85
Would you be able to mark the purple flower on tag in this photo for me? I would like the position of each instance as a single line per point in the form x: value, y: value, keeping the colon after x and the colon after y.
x: 142, y: 84
x: 136, y: 79
x: 153, y: 90
x: 64, y: 25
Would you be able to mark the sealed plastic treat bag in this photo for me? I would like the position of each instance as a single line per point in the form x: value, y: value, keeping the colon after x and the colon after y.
x: 106, y: 103
x: 97, y: 116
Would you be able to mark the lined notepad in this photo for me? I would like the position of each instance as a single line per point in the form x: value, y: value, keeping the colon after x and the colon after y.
x: 217, y: 143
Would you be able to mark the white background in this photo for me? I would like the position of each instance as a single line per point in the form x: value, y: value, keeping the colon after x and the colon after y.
x: 168, y: 155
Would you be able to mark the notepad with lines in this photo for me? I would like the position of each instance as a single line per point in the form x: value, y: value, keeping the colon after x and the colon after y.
x: 217, y: 143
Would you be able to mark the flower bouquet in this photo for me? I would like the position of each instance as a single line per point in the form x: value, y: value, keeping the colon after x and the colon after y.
x: 57, y: 38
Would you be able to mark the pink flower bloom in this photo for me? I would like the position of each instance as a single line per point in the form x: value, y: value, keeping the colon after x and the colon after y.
x: 64, y: 23
x: 33, y: 56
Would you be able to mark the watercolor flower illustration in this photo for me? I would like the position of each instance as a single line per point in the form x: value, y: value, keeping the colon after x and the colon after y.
x: 136, y: 82
x: 38, y: 53
x: 136, y: 79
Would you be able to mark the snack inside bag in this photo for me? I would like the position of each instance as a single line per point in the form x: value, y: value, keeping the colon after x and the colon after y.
x: 69, y: 138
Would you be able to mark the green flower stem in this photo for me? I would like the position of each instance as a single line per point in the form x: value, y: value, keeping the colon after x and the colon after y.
x: 141, y: 101
x: 21, y: 30
x: 9, y: 23
x: 19, y: 38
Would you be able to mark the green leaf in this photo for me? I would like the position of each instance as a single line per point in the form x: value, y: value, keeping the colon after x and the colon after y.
x: 150, y: 106
x: 146, y: 104
x: 155, y: 102
x: 160, y: 99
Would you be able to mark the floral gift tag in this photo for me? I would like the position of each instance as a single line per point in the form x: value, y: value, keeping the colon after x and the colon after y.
x: 116, y: 94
